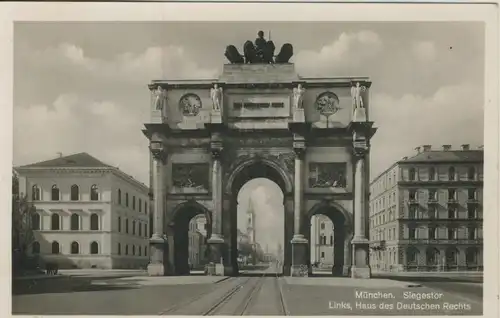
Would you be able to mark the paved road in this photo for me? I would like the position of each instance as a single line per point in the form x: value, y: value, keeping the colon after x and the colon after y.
x: 254, y: 293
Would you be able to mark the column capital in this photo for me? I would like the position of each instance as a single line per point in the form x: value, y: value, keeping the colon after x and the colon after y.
x: 158, y: 151
x: 216, y: 153
x: 360, y: 149
x: 300, y: 152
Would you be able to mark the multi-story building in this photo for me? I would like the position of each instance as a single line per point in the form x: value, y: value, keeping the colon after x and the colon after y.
x: 88, y: 214
x: 197, y: 242
x: 322, y: 240
x: 426, y: 212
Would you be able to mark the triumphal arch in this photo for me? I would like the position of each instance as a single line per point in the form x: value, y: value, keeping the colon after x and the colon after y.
x: 259, y: 118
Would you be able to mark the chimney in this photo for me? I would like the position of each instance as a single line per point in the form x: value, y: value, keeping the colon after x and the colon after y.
x: 417, y: 149
x: 446, y: 147
x: 465, y: 147
x: 427, y: 147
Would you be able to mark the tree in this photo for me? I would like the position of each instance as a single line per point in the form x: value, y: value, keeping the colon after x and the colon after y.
x: 22, y: 213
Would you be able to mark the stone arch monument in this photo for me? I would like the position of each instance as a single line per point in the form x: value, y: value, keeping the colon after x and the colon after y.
x: 311, y: 136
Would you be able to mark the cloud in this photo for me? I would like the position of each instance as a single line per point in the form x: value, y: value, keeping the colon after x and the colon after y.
x: 346, y: 52
x: 171, y: 62
x: 452, y: 115
x: 424, y: 51
x: 73, y: 124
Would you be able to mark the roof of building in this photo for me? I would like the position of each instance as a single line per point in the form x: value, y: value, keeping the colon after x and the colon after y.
x: 447, y: 156
x: 78, y: 160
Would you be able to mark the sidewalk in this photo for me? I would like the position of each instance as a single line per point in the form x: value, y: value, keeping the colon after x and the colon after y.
x: 375, y: 283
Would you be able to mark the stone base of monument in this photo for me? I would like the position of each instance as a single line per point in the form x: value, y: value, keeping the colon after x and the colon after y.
x: 219, y: 270
x: 359, y: 115
x: 299, y: 116
x: 361, y: 272
x: 156, y: 269
x: 216, y: 117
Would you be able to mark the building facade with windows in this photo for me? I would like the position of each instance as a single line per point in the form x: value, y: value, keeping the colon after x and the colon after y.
x: 197, y: 242
x: 322, y: 240
x: 88, y: 214
x: 426, y: 212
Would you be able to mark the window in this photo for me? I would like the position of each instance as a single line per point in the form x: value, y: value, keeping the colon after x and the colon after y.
x: 432, y: 173
x: 133, y: 227
x: 119, y: 196
x: 94, y: 193
x: 331, y: 239
x: 145, y: 230
x: 413, y: 212
x: 452, y: 194
x: 55, y: 247
x: 126, y: 199
x: 472, y: 194
x: 322, y: 254
x: 55, y: 222
x: 75, y: 222
x: 36, y: 193
x: 126, y: 249
x: 471, y: 233
x: 140, y: 250
x: 133, y: 249
x: 471, y: 174
x: 432, y: 195
x: 471, y: 254
x: 432, y: 212
x: 140, y: 205
x: 412, y: 256
x: 139, y: 228
x: 452, y: 233
x: 94, y: 222
x: 133, y: 202
x: 452, y: 213
x: 35, y: 221
x: 75, y: 193
x: 471, y: 212
x: 451, y: 174
x: 35, y: 248
x: 432, y: 256
x: 452, y: 257
x: 126, y: 226
x: 412, y: 233
x: 119, y: 224
x: 413, y: 194
x: 94, y: 248
x: 55, y: 193
x: 412, y: 174
x: 146, y: 207
x: 75, y: 248
x: 119, y: 249
x: 145, y: 251
x: 432, y: 233
x: 322, y: 225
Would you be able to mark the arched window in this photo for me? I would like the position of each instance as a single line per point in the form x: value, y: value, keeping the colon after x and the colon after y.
x: 140, y: 228
x: 35, y: 221
x: 75, y: 222
x: 94, y: 248
x: 94, y: 193
x: 119, y: 196
x: 451, y: 173
x: 55, y: 222
x: 133, y: 227
x: 55, y: 247
x: 119, y: 224
x: 36, y: 193
x: 75, y: 193
x: 471, y: 173
x: 133, y: 249
x: 432, y: 256
x: 412, y: 256
x: 140, y: 250
x: 75, y: 248
x: 432, y: 173
x: 119, y: 249
x: 35, y: 248
x: 451, y: 256
x: 140, y: 205
x: 94, y: 222
x: 126, y: 249
x: 126, y: 199
x: 412, y: 174
x: 55, y: 193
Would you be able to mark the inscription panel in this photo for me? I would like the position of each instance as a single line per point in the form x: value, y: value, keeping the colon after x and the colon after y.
x: 190, y: 177
x: 254, y: 105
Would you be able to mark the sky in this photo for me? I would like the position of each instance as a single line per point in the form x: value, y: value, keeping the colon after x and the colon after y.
x: 83, y: 86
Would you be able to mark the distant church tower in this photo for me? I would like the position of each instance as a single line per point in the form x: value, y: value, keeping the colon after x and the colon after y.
x: 251, y: 222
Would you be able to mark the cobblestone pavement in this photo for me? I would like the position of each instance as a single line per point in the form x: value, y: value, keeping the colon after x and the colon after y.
x: 253, y: 294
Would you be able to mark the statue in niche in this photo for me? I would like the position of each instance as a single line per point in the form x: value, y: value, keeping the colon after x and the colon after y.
x: 216, y: 94
x: 327, y: 175
x: 298, y: 96
x: 357, y: 99
x: 160, y: 96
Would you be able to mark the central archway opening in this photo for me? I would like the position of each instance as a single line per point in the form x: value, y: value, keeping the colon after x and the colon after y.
x: 192, y: 228
x: 258, y: 217
x: 327, y: 237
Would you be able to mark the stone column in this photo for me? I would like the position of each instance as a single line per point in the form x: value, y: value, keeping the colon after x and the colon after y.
x: 158, y: 242
x: 360, y: 243
x: 299, y: 242
x: 216, y: 240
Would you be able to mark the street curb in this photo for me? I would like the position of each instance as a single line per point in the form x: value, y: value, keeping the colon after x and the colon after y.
x: 222, y: 279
